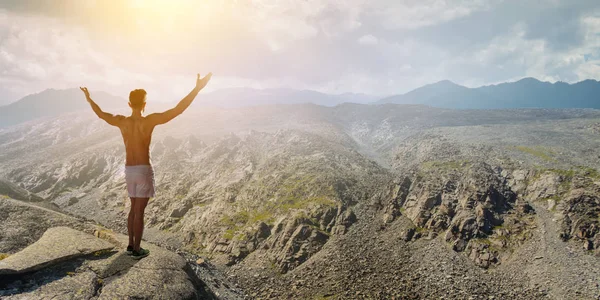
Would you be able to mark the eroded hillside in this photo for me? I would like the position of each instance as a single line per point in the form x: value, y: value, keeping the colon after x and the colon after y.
x: 313, y: 197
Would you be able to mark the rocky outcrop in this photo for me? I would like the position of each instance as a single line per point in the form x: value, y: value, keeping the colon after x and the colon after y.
x: 289, y: 241
x: 579, y: 211
x: 573, y: 196
x: 469, y: 204
x: 581, y: 218
x: 66, y: 263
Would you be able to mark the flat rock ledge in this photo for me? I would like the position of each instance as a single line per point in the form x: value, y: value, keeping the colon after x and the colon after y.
x: 56, y: 245
x: 68, y: 264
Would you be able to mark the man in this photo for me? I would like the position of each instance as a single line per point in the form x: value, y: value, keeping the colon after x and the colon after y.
x: 137, y: 133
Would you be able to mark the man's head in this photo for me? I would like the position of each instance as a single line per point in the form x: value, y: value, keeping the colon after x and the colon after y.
x: 137, y: 99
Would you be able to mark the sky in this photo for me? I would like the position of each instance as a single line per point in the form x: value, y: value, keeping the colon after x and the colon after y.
x: 375, y: 47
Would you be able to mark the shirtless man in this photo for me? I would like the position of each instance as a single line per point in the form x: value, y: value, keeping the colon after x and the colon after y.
x: 137, y: 133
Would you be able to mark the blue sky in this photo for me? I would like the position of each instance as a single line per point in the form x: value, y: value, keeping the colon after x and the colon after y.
x: 334, y: 46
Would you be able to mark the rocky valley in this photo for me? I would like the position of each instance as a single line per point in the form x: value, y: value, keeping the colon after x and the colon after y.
x: 304, y: 201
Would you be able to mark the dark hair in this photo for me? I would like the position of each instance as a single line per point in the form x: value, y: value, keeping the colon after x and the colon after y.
x: 137, y: 98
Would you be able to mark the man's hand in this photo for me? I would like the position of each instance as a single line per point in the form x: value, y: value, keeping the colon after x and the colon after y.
x: 201, y: 82
x: 166, y: 116
x: 86, y: 92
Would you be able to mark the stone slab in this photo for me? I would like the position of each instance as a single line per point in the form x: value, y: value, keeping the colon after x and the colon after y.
x: 56, y: 245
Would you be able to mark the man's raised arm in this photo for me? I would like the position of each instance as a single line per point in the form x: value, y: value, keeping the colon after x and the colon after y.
x: 108, y: 117
x: 164, y: 117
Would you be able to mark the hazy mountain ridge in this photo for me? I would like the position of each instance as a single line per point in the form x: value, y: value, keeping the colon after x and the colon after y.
x: 51, y: 103
x: 240, y: 97
x: 527, y: 92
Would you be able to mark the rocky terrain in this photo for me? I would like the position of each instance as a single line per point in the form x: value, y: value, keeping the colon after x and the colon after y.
x: 67, y: 263
x: 352, y: 201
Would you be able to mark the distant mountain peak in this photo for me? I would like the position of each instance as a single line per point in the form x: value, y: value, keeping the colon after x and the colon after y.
x: 447, y: 82
x: 529, y: 80
x: 443, y: 84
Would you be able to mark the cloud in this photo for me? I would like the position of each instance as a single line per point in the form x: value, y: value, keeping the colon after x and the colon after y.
x: 367, y: 40
x: 420, y: 13
x: 39, y: 52
x: 379, y: 47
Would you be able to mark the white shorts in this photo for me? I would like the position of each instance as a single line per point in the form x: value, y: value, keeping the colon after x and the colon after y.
x: 140, y: 181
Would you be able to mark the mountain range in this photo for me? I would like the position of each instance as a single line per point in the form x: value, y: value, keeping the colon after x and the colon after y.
x: 525, y: 93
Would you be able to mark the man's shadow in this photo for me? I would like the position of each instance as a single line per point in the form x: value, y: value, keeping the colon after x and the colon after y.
x: 119, y: 265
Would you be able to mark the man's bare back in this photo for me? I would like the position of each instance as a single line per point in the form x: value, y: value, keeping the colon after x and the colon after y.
x: 136, y: 131
x: 137, y: 135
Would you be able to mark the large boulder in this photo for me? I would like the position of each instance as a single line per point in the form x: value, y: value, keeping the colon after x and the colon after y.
x: 56, y: 245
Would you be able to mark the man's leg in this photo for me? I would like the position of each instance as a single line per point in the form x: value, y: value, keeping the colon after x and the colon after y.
x: 138, y: 222
x: 130, y: 220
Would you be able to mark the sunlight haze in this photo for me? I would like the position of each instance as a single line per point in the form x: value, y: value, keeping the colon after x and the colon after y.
x: 374, y: 47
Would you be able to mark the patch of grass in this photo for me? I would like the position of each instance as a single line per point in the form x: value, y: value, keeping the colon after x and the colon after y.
x: 261, y: 216
x: 241, y: 219
x: 229, y: 234
x: 538, y: 151
x: 235, y: 220
x: 246, y: 217
x: 241, y: 236
x: 233, y: 223
x: 590, y: 172
x: 567, y: 174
